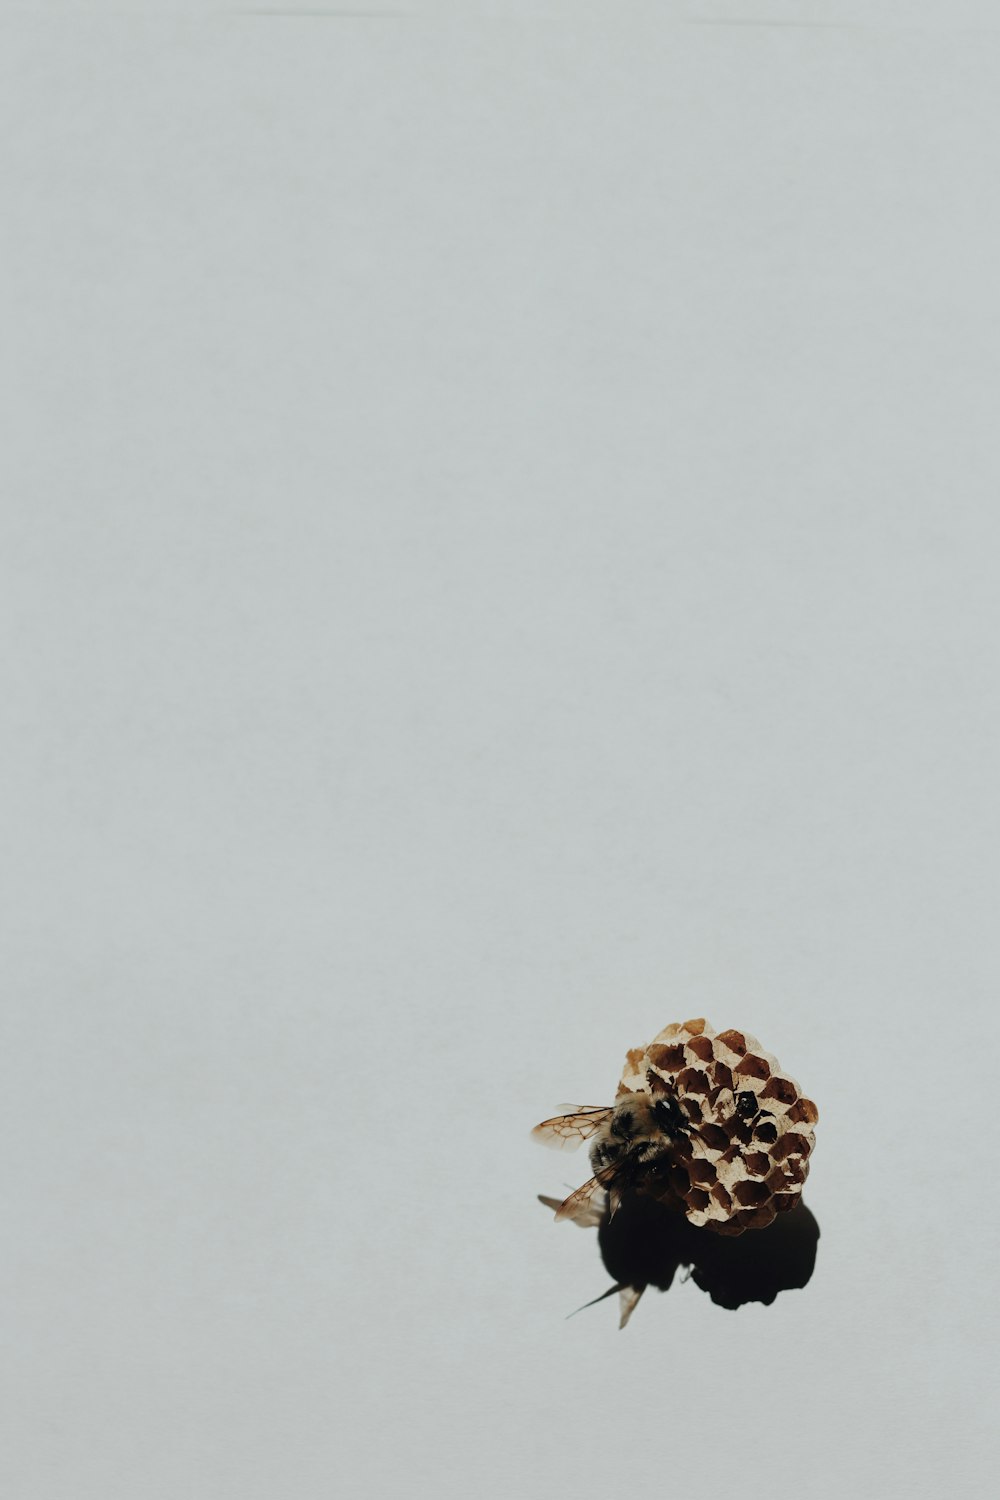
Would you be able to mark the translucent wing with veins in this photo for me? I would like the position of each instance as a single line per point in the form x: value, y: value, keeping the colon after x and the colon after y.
x: 567, y: 1132
x: 589, y: 1215
x: 583, y: 1204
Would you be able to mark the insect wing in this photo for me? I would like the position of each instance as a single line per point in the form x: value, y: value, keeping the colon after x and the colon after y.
x: 628, y: 1301
x: 587, y: 1218
x: 567, y: 1132
x: 583, y: 1206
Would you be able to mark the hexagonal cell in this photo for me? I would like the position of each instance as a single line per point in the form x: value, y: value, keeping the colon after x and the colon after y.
x: 667, y: 1058
x: 700, y: 1048
x: 803, y: 1112
x: 715, y: 1137
x: 752, y: 1066
x: 693, y: 1081
x: 701, y: 1172
x: 780, y: 1090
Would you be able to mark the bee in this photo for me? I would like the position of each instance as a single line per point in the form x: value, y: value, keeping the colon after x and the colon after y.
x: 705, y: 1124
x: 632, y: 1139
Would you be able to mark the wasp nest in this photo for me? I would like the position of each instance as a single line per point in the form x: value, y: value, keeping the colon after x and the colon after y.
x: 742, y: 1154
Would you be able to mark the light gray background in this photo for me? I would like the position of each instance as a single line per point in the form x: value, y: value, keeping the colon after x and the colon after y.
x: 499, y: 546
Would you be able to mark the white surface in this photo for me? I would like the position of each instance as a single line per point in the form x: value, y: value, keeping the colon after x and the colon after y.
x: 499, y: 538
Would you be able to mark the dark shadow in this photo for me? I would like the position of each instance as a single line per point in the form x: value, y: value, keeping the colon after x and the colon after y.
x: 645, y: 1244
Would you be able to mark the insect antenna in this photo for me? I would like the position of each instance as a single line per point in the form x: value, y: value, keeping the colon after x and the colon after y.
x: 629, y: 1296
x: 619, y: 1286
